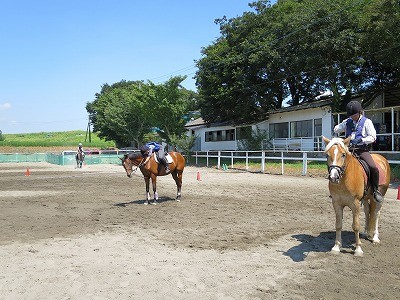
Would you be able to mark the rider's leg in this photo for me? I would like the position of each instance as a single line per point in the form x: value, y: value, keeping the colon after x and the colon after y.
x: 163, y: 159
x: 374, y: 175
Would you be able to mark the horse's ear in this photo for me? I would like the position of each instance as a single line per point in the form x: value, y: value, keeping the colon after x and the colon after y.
x: 347, y: 141
x: 326, y: 141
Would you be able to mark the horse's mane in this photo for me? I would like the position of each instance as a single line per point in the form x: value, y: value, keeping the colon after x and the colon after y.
x: 336, y: 141
x: 134, y: 155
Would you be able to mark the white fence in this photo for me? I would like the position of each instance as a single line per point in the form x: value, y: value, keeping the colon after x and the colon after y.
x: 263, y: 156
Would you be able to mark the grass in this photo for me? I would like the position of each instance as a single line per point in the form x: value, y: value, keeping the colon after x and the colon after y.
x: 54, y: 139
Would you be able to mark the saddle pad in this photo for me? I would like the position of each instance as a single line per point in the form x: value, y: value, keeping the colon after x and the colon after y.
x: 382, y: 175
x: 167, y: 156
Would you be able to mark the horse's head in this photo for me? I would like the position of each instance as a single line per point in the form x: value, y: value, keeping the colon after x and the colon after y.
x: 131, y: 160
x: 336, y: 151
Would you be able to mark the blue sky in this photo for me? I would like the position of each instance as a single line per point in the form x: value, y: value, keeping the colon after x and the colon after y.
x: 55, y: 55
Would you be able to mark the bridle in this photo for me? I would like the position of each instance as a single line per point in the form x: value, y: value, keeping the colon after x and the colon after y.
x: 138, y: 166
x: 340, y: 169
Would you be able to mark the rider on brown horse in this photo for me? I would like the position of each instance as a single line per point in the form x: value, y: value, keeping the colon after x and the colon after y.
x: 363, y: 133
x: 149, y: 148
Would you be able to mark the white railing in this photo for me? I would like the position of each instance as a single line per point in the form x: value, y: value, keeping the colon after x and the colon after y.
x: 263, y: 156
x: 296, y: 144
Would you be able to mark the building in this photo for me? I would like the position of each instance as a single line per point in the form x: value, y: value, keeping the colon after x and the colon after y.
x: 301, y: 127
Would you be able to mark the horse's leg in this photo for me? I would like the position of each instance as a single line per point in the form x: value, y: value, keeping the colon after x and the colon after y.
x: 154, y: 184
x: 374, y: 221
x: 147, y: 181
x: 355, y: 208
x: 366, y: 206
x: 339, y: 223
x: 177, y: 175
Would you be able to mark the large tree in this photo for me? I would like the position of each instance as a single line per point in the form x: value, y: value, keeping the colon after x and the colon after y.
x: 293, y: 50
x: 127, y: 110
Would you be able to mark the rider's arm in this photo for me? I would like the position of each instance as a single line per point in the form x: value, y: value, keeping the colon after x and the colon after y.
x: 369, y: 132
x: 340, y: 127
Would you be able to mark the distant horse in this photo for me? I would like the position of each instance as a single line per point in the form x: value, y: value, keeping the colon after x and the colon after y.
x: 80, y: 157
x: 348, y: 186
x: 152, y: 169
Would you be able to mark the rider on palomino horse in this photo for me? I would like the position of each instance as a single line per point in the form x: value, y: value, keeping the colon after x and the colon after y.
x: 148, y: 149
x: 363, y: 133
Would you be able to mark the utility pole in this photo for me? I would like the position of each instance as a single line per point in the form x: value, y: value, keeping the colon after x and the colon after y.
x: 88, y: 133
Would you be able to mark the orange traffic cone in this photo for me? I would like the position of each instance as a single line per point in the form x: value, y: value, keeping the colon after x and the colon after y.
x: 27, y: 173
x: 398, y: 192
x: 198, y: 176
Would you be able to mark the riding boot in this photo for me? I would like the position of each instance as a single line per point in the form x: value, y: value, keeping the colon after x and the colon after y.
x: 166, y: 165
x: 375, y: 185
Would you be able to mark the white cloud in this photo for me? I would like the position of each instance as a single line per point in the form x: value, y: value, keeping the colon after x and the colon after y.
x: 5, y: 106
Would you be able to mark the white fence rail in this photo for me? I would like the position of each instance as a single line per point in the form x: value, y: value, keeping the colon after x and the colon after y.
x: 263, y: 156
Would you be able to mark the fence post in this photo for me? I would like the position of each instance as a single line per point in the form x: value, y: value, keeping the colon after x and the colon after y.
x: 282, y: 162
x: 304, y: 164
x: 247, y: 160
x: 262, y: 161
x: 196, y: 158
x: 232, y: 159
x: 207, y: 157
x: 219, y: 160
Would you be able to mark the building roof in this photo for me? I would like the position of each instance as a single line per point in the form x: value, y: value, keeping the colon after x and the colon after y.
x: 306, y: 105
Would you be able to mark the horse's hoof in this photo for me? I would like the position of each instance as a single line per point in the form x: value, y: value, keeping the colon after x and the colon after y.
x: 358, y: 253
x: 154, y: 203
x: 178, y: 200
x: 146, y: 203
x: 335, y: 249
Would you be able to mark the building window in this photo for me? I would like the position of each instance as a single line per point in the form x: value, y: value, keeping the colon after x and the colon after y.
x: 317, y: 127
x: 220, y: 135
x: 301, y: 129
x: 279, y: 130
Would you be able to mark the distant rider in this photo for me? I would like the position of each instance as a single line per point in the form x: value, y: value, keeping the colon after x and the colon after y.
x: 148, y: 149
x: 80, y: 150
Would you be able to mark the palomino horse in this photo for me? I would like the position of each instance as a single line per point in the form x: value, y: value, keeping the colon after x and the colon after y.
x: 347, y: 185
x: 79, y: 159
x: 152, y: 169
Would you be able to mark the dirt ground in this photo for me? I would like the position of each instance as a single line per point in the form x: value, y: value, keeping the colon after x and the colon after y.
x: 69, y: 233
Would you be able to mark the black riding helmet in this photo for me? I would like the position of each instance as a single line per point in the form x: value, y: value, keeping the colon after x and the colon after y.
x: 143, y: 149
x: 353, y: 107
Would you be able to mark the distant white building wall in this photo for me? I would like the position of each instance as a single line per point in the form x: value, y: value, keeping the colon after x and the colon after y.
x: 214, y: 138
x: 324, y: 113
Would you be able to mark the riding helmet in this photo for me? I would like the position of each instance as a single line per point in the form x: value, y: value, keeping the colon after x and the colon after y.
x: 353, y: 107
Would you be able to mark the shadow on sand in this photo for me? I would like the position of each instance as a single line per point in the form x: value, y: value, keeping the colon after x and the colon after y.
x: 159, y: 201
x: 321, y: 243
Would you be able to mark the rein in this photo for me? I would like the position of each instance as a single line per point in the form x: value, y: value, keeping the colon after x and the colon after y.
x: 138, y: 166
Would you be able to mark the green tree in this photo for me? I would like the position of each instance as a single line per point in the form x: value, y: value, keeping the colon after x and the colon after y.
x: 120, y: 112
x: 292, y: 51
x: 128, y: 110
x: 183, y: 144
x: 168, y: 105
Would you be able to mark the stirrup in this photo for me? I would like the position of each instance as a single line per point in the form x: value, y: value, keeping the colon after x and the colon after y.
x: 378, y: 196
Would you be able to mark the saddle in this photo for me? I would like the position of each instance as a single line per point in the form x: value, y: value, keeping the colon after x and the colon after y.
x: 366, y: 173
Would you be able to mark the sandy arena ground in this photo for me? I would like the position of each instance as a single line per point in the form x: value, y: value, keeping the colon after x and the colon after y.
x: 69, y: 233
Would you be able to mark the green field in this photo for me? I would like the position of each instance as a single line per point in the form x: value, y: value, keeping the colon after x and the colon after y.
x: 54, y: 139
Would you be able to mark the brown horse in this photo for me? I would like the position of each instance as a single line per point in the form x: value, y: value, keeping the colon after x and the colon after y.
x: 152, y: 169
x: 347, y: 185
